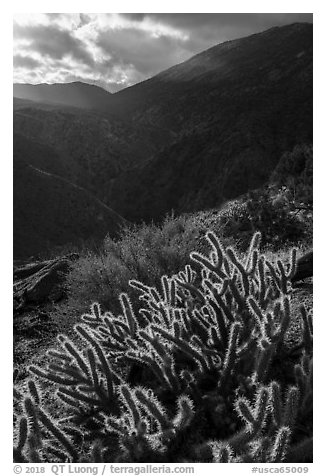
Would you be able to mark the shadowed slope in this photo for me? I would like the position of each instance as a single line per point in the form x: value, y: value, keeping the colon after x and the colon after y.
x: 51, y: 211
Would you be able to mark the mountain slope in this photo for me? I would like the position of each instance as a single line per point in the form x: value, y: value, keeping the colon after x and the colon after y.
x: 92, y: 148
x: 76, y: 94
x: 49, y: 210
x: 251, y: 64
x: 233, y: 110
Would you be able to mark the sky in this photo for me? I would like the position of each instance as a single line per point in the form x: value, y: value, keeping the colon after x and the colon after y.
x: 115, y: 51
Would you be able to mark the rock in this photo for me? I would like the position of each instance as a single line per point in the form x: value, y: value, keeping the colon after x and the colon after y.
x: 29, y: 269
x: 38, y: 282
x: 304, y: 267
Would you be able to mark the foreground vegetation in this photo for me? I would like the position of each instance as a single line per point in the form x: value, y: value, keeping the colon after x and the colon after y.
x: 201, y: 353
x: 179, y: 358
x: 148, y: 251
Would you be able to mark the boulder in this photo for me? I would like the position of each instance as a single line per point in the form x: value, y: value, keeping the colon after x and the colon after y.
x: 38, y: 282
x: 304, y: 267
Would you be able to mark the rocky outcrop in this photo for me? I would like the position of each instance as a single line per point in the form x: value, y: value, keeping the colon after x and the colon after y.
x: 38, y: 282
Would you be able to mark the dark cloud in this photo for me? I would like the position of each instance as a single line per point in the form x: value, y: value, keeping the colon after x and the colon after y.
x: 54, y: 16
x: 138, y: 48
x: 25, y: 62
x: 230, y: 21
x: 134, y: 16
x: 52, y: 41
x: 208, y: 29
x: 84, y: 19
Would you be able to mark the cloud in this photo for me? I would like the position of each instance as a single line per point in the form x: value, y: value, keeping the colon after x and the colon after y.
x: 227, y: 21
x: 134, y: 16
x: 118, y: 50
x: 208, y: 29
x: 141, y: 50
x: 84, y: 19
x: 52, y: 41
x: 26, y: 62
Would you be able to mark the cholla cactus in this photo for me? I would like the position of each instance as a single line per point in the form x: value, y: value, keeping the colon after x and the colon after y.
x: 206, y: 346
x: 35, y: 431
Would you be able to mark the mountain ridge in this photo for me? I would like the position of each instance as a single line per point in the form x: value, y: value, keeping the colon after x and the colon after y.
x: 223, y: 45
x: 300, y: 31
x: 76, y: 94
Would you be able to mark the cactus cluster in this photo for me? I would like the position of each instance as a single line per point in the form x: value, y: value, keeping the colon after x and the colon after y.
x: 191, y: 376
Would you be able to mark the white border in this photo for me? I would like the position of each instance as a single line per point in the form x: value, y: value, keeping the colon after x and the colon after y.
x: 167, y: 6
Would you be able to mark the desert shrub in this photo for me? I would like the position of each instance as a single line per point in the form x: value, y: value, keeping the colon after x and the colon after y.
x: 152, y: 250
x: 266, y: 211
x: 193, y: 376
x: 295, y: 172
x: 148, y: 251
x: 144, y: 252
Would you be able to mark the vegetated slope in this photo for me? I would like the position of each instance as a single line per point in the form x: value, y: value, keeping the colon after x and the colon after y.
x: 95, y: 148
x: 75, y: 94
x: 295, y: 171
x: 49, y: 210
x: 232, y: 110
x: 22, y: 103
x: 182, y: 95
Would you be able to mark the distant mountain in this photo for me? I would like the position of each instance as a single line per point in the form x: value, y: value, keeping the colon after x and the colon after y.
x: 22, y: 103
x: 231, y: 112
x: 50, y: 211
x: 76, y: 94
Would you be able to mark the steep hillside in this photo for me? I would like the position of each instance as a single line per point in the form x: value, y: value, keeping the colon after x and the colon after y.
x: 233, y: 110
x: 93, y: 149
x: 187, y: 93
x: 49, y: 210
x: 75, y: 94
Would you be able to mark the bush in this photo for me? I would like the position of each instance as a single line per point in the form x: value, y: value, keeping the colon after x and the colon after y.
x: 148, y: 251
x: 295, y: 172
x: 193, y: 376
x: 267, y: 211
x: 144, y: 252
